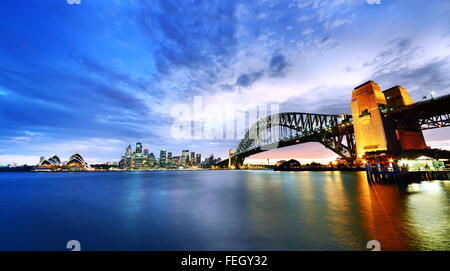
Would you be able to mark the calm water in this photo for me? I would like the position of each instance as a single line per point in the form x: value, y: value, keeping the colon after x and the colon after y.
x: 219, y: 210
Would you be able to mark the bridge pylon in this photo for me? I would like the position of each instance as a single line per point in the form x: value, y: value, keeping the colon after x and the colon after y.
x: 374, y: 129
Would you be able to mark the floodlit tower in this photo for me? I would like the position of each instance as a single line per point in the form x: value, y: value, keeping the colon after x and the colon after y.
x: 408, y: 133
x: 367, y: 104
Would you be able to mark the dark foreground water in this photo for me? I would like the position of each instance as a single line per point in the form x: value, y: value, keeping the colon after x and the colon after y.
x: 219, y: 210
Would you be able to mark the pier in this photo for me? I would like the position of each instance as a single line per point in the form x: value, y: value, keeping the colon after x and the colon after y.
x: 396, y: 175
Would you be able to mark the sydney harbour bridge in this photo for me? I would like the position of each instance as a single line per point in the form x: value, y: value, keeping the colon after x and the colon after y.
x: 386, y: 121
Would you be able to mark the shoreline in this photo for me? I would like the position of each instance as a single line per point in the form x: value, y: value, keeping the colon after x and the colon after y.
x: 203, y: 169
x: 320, y: 169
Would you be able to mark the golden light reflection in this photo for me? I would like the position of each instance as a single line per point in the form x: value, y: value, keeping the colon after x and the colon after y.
x: 381, y: 212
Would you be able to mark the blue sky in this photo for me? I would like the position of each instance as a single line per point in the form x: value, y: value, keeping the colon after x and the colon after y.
x: 95, y: 77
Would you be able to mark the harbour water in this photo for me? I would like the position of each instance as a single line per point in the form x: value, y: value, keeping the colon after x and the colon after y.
x: 220, y: 210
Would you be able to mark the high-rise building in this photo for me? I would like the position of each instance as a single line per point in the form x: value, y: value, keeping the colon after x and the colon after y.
x: 177, y: 161
x: 138, y: 147
x: 138, y: 161
x: 128, y: 151
x: 145, y: 152
x: 151, y: 160
x: 169, y: 159
x: 192, y: 160
x: 162, y: 158
x: 198, y: 159
x: 128, y: 157
x: 122, y: 163
x: 185, y: 157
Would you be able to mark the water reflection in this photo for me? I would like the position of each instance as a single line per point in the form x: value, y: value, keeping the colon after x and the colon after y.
x: 427, y: 216
x: 381, y: 208
x: 220, y: 210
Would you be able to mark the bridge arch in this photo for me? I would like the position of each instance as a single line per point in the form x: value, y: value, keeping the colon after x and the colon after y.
x: 335, y: 132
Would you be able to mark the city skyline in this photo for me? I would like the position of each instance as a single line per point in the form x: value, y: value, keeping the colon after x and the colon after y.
x: 98, y: 88
x: 144, y: 159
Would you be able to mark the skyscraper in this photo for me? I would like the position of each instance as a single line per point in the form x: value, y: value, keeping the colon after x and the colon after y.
x: 151, y: 160
x: 162, y: 158
x: 128, y: 159
x: 192, y: 159
x: 169, y: 160
x: 185, y: 157
x: 145, y: 151
x: 198, y: 159
x: 138, y: 147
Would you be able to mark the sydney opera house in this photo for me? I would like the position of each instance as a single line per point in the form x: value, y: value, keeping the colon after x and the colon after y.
x: 53, y: 163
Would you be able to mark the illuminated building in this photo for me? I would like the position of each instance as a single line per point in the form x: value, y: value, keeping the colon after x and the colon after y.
x: 169, y: 160
x: 52, y: 162
x: 138, y: 161
x: 198, y: 159
x: 367, y: 102
x: 128, y: 151
x: 76, y: 161
x: 138, y: 147
x: 211, y: 159
x: 128, y: 155
x: 373, y: 130
x: 192, y: 159
x: 185, y: 157
x: 151, y: 160
x: 162, y: 158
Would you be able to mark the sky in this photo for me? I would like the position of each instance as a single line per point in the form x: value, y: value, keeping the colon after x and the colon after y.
x: 97, y: 76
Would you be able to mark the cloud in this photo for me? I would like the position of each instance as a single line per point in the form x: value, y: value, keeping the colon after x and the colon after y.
x: 371, y: 2
x: 278, y: 66
x: 331, y: 25
x: 398, y: 65
x: 304, y: 3
x: 246, y: 80
x: 190, y: 36
x: 307, y: 31
x: 304, y: 18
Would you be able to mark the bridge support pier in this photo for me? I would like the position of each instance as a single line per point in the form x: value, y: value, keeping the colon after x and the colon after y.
x: 236, y: 162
